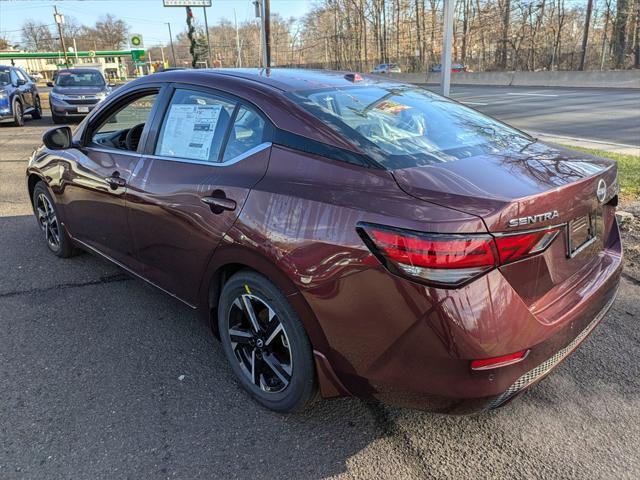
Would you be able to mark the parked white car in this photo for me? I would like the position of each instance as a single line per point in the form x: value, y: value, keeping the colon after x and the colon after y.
x: 37, y: 76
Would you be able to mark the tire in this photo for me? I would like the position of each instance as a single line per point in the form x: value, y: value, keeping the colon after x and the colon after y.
x: 37, y: 110
x: 48, y: 219
x: 57, y: 119
x: 18, y: 114
x: 291, y: 385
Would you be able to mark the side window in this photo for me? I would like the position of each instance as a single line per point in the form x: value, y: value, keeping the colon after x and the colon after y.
x: 123, y: 128
x: 194, y: 126
x: 246, y: 133
x: 22, y: 75
x: 14, y: 77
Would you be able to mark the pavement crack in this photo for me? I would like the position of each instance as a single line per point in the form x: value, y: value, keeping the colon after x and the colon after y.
x: 118, y: 277
x: 631, y: 278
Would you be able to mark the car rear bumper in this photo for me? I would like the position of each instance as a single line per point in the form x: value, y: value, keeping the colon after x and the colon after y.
x: 412, y: 345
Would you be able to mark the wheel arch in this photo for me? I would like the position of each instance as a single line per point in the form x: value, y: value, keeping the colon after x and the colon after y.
x: 231, y: 259
x: 32, y: 180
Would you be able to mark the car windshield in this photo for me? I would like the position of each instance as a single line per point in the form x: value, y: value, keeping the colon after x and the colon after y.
x: 403, y: 127
x: 5, y: 78
x: 80, y: 79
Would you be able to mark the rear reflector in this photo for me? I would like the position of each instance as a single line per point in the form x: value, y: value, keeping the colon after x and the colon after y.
x: 449, y: 260
x: 497, y: 362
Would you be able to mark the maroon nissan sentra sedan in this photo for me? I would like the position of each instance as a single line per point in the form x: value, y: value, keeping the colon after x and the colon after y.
x: 342, y: 235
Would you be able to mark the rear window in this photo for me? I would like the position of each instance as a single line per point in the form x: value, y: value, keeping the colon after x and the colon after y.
x: 403, y: 127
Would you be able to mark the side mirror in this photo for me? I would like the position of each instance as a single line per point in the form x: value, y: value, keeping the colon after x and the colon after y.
x: 21, y: 81
x: 58, y: 138
x: 49, y: 84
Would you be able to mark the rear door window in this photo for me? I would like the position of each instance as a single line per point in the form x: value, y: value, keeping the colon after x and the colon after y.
x: 194, y: 126
x: 247, y: 133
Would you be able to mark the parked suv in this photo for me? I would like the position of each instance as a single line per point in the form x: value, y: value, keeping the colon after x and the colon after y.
x: 76, y: 91
x: 18, y: 96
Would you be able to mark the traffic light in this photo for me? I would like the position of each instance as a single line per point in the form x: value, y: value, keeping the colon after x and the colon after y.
x: 191, y: 30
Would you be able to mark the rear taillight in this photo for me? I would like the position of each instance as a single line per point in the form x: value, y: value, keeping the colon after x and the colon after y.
x: 449, y: 260
x: 514, y: 247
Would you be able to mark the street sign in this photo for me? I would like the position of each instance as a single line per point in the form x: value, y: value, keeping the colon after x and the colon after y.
x: 187, y: 3
x: 136, y: 40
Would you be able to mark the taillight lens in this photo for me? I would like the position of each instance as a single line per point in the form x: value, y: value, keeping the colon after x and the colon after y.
x: 514, y: 247
x: 449, y: 260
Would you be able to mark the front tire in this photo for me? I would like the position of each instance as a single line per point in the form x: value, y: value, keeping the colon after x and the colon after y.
x: 18, y: 114
x: 265, y: 343
x: 49, y: 221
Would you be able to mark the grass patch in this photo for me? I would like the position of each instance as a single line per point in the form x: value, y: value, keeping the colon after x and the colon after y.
x: 628, y: 170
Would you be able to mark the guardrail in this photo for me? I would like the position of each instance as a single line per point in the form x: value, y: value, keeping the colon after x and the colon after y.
x: 595, y: 79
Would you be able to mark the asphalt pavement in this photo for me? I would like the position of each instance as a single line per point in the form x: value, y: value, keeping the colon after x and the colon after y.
x: 103, y: 377
x: 606, y: 115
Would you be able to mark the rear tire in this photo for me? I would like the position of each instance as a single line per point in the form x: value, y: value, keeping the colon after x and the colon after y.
x: 48, y: 219
x: 37, y: 110
x: 271, y: 355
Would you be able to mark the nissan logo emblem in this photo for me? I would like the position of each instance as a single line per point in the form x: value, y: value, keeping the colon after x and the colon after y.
x: 601, y: 192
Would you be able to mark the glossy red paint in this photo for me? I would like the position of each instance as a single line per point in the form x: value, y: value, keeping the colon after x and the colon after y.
x: 374, y: 332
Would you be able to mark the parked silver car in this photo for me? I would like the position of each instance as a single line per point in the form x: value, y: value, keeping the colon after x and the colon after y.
x: 386, y: 68
x: 76, y: 92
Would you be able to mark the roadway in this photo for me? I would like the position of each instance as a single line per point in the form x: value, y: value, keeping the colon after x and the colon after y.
x: 104, y: 377
x: 605, y: 115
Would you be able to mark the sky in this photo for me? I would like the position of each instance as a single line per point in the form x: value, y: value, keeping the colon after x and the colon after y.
x: 145, y: 17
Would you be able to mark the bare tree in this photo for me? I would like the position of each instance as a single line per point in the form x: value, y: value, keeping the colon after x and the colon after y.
x: 36, y: 36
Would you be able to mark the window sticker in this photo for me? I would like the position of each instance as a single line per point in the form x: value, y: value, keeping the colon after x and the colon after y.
x: 189, y: 131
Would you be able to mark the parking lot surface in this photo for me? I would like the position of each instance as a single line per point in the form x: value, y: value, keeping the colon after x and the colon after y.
x: 102, y: 376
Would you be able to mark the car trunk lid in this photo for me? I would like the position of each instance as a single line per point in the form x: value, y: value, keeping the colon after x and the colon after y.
x: 540, y: 187
x: 515, y: 191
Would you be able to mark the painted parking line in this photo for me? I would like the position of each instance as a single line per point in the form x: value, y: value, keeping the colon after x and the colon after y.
x: 473, y: 103
x: 534, y: 94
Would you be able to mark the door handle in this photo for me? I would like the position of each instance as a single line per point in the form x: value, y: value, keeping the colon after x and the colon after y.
x: 218, y: 205
x: 115, y: 181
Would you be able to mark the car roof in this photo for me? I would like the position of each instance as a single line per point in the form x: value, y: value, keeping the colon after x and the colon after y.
x: 80, y: 70
x: 284, y: 79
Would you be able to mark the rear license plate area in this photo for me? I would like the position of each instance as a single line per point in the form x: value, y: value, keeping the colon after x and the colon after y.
x: 581, y: 232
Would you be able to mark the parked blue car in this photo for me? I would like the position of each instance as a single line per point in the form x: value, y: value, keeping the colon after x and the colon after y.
x: 18, y: 96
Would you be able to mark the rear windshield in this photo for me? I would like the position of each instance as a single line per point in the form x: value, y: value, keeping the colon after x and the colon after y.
x: 80, y: 79
x: 402, y: 127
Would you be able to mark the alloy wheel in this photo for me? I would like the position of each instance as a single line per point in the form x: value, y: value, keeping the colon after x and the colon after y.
x: 260, y: 343
x: 48, y: 221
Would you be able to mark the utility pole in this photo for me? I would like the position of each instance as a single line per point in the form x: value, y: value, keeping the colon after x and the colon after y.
x: 267, y: 31
x: 59, y: 21
x: 173, y: 52
x: 585, y: 35
x: 447, y: 44
x: 239, y: 60
x: 206, y: 28
x: 262, y: 12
